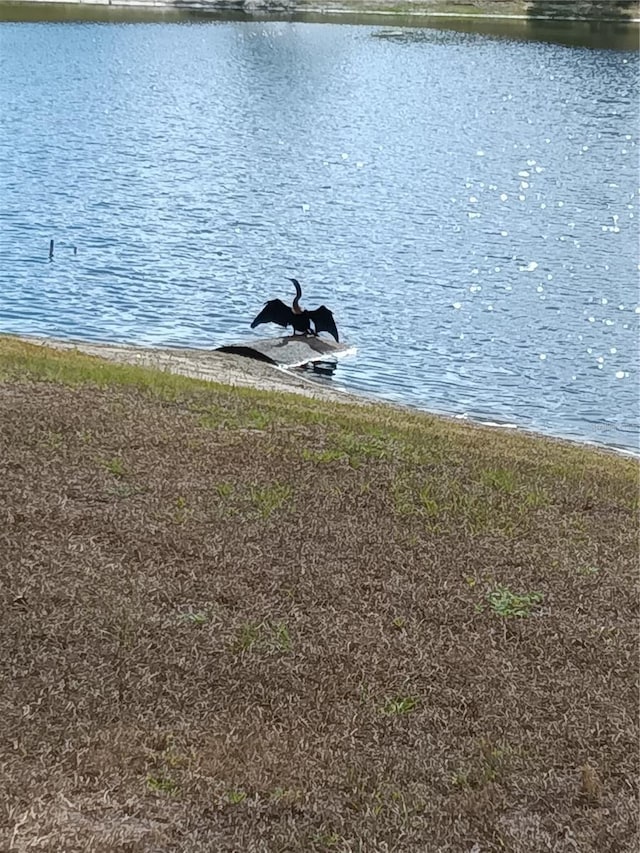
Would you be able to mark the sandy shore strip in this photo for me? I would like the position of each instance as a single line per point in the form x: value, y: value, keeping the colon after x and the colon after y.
x: 210, y: 365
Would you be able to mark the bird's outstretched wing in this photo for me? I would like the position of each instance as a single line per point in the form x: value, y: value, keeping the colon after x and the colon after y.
x: 323, y: 321
x: 275, y: 311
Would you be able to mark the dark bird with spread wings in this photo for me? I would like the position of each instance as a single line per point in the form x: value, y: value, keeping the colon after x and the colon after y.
x: 275, y: 311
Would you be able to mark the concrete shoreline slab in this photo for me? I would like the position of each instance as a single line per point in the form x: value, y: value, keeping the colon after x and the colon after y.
x: 289, y: 350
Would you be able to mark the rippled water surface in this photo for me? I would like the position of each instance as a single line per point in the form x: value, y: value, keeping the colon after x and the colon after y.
x: 465, y: 205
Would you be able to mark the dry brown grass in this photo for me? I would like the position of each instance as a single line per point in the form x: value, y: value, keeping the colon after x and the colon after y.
x: 240, y: 622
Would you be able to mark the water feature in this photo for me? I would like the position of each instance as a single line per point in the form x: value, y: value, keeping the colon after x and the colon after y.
x: 465, y: 204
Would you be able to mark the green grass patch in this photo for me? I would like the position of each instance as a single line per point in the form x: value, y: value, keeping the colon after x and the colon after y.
x: 264, y: 637
x: 323, y: 457
x: 503, y: 602
x: 114, y: 466
x: 588, y: 571
x: 162, y: 785
x: 327, y: 840
x: 269, y: 499
x: 224, y: 490
x: 397, y: 706
x: 235, y: 797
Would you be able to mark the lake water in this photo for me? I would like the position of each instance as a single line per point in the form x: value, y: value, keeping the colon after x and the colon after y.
x: 466, y: 205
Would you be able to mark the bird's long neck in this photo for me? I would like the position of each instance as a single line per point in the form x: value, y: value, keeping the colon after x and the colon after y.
x: 296, y: 302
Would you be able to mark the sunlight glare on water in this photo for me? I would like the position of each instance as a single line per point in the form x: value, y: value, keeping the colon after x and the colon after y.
x: 465, y: 205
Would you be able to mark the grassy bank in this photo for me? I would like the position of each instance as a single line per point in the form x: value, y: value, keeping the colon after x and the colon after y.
x: 616, y: 11
x: 240, y: 621
x: 582, y: 25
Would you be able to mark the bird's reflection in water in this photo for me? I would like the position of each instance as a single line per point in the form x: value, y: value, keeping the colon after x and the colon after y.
x: 320, y: 368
